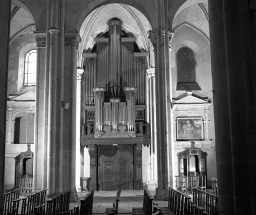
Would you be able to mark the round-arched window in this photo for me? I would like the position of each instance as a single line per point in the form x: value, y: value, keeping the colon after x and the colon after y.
x: 30, y: 68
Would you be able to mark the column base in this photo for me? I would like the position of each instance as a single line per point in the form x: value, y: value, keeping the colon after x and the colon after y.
x: 162, y: 194
x: 152, y: 185
x: 73, y: 196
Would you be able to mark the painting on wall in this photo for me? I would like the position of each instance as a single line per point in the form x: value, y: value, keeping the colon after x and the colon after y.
x: 190, y: 128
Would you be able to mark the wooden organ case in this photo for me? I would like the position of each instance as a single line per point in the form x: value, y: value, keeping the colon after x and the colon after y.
x: 113, y: 109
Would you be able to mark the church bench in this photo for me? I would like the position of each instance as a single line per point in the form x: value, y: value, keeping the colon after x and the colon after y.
x: 11, y: 199
x: 86, y: 204
x: 30, y: 202
x: 147, y: 208
x: 206, y: 200
x: 55, y: 205
x: 180, y: 203
x: 114, y: 209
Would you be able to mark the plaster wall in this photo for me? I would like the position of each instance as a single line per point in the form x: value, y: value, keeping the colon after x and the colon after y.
x: 185, y: 35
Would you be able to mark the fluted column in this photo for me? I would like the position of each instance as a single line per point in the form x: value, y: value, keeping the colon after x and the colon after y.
x: 78, y: 126
x: 99, y: 97
x: 114, y: 116
x: 130, y: 99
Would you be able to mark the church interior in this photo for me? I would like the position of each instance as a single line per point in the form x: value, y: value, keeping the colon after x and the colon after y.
x: 130, y: 95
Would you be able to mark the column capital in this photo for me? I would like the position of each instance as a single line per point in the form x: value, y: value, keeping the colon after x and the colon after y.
x: 151, y: 72
x: 40, y: 39
x: 170, y: 37
x: 80, y: 73
x: 130, y: 92
x: 99, y: 92
x: 152, y: 35
x: 72, y: 39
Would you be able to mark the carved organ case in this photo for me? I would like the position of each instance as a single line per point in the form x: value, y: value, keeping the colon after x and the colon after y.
x: 114, y: 85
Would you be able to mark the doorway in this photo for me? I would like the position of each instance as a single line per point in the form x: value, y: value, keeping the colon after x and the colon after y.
x: 115, y: 167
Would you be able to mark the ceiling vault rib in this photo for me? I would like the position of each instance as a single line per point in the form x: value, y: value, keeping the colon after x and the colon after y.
x: 204, y: 10
x: 193, y: 26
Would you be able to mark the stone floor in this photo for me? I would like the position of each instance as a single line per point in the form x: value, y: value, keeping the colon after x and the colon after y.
x: 128, y: 199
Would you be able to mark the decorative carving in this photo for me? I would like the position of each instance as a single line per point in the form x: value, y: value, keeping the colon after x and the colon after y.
x: 170, y: 37
x: 128, y: 45
x: 186, y: 65
x: 130, y: 133
x: 40, y: 42
x: 99, y: 94
x: 90, y: 115
x: 139, y: 114
x: 152, y: 35
x: 72, y: 41
x: 91, y: 150
x: 101, y: 46
x: 99, y: 133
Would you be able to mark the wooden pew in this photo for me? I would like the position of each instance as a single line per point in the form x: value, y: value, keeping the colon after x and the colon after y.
x: 114, y: 209
x: 147, y: 208
x: 32, y: 201
x: 55, y: 205
x: 11, y: 201
x: 180, y: 203
x: 86, y: 204
x: 206, y: 200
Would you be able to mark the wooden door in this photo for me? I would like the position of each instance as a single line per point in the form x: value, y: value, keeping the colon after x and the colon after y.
x: 115, y: 167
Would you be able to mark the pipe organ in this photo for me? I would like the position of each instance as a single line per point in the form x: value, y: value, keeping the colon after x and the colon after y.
x: 114, y: 85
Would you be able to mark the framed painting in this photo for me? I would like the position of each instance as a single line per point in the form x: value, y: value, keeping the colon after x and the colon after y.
x: 190, y: 128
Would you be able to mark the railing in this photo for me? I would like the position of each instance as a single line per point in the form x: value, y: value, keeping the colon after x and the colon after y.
x: 187, y: 183
x: 26, y: 184
x: 206, y: 200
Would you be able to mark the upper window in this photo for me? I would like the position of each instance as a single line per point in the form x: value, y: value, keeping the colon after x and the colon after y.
x: 30, y: 68
x: 186, y: 69
x: 186, y: 65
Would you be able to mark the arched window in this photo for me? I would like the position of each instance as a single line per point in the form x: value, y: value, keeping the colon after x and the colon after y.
x: 186, y: 69
x: 30, y: 68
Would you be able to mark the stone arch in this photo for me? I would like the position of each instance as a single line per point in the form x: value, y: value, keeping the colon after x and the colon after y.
x: 134, y: 3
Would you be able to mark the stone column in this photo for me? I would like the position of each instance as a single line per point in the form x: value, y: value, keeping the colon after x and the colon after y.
x: 130, y: 99
x: 52, y: 114
x: 4, y: 43
x: 69, y: 116
x: 234, y: 97
x: 152, y: 184
x: 114, y: 116
x: 78, y: 128
x: 39, y: 177
x: 99, y: 97
x: 9, y: 123
x: 159, y: 38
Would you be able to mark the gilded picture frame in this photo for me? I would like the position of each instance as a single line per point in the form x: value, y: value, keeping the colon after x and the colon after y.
x: 190, y: 128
